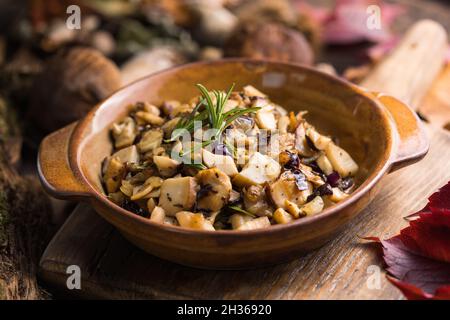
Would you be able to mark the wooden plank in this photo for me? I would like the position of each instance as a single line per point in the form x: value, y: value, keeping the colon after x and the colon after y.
x: 436, y: 106
x: 410, y: 69
x: 113, y: 268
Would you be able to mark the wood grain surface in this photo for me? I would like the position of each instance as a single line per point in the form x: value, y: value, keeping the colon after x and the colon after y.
x: 113, y: 268
x: 436, y: 105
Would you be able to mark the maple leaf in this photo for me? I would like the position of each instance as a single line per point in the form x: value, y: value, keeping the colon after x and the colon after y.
x: 418, y: 259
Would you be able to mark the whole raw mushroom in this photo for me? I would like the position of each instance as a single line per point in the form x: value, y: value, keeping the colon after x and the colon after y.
x: 272, y: 40
x: 150, y: 61
x: 214, y: 22
x: 269, y: 40
x: 70, y: 85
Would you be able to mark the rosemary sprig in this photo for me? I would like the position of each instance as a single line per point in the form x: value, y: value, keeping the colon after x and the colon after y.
x: 196, y: 147
x: 188, y: 122
x: 198, y: 166
x: 240, y: 210
x: 233, y: 114
x: 218, y: 119
x: 212, y: 114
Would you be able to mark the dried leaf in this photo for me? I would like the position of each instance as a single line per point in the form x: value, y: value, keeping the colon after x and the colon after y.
x: 418, y: 259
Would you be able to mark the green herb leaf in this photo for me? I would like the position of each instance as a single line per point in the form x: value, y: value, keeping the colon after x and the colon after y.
x: 240, y: 210
x: 198, y: 166
x: 213, y: 112
x: 237, y: 113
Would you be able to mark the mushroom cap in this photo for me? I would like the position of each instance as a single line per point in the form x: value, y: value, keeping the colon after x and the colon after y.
x: 71, y: 83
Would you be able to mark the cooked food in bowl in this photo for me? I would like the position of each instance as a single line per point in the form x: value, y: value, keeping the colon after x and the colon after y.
x: 224, y: 160
x: 380, y: 133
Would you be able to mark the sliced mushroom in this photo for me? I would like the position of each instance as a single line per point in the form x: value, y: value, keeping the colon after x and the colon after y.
x: 141, y: 176
x: 280, y: 110
x: 285, y: 142
x: 150, y: 140
x: 265, y: 118
x: 124, y: 133
x: 338, y: 195
x: 114, y: 172
x: 192, y: 220
x: 169, y: 126
x: 178, y: 194
x: 283, y: 124
x: 149, y: 118
x: 182, y: 109
x: 140, y: 192
x: 255, y: 201
x: 236, y: 137
x: 237, y: 220
x: 281, y: 216
x: 167, y: 167
x: 310, y: 175
x: 325, y: 164
x: 293, y: 208
x: 251, y: 91
x: 258, y: 223
x: 171, y: 220
x: 259, y: 169
x: 169, y: 105
x: 234, y: 196
x: 144, y: 190
x: 151, y: 204
x: 301, y: 144
x: 127, y: 188
x: 319, y: 141
x: 313, y: 207
x: 341, y: 161
x: 155, y: 193
x: 117, y: 197
x: 215, y: 189
x: 151, y: 108
x: 285, y: 188
x: 212, y: 217
x: 127, y: 155
x: 158, y: 215
x: 221, y: 162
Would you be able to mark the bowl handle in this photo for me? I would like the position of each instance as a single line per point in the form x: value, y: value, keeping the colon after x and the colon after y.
x: 55, y: 172
x: 413, y: 144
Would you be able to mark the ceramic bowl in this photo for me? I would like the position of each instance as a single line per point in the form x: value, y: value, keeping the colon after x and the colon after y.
x: 381, y: 133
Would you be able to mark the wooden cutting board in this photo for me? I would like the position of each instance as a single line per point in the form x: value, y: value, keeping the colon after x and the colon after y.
x: 113, y: 268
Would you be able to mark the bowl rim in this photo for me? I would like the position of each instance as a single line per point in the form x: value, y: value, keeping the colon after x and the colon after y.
x: 77, y: 138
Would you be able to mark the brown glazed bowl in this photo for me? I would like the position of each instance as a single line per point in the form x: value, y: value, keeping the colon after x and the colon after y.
x: 381, y: 133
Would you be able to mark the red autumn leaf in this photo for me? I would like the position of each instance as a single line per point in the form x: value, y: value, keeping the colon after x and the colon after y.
x: 347, y: 22
x: 441, y: 199
x: 419, y: 257
x: 426, y: 236
x: 413, y: 293
x: 437, y: 218
x: 411, y: 267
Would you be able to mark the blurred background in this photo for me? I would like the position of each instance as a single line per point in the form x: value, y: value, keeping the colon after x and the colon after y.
x: 58, y: 58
